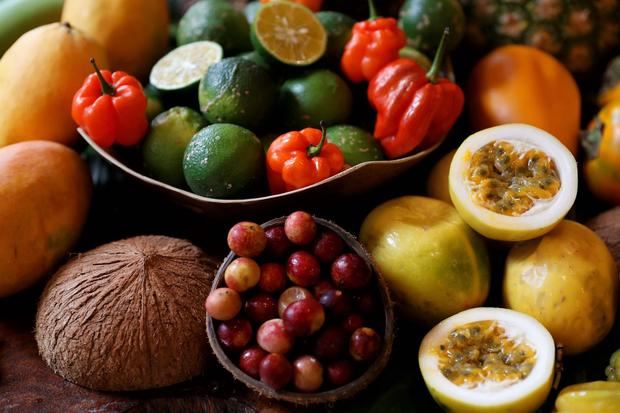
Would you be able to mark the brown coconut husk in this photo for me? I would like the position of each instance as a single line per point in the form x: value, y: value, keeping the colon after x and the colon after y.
x: 128, y: 315
x: 341, y: 393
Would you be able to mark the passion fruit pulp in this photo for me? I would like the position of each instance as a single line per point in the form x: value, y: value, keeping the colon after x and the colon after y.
x: 488, y: 360
x: 513, y: 182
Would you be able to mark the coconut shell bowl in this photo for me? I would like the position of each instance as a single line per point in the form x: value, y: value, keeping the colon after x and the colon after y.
x: 383, y: 322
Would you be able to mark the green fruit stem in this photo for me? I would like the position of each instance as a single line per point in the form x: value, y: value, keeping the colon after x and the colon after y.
x: 373, y: 10
x: 313, y: 150
x: 106, y: 88
x: 433, y: 74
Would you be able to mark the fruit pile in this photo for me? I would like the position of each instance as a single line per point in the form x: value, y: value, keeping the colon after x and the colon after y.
x: 299, y: 308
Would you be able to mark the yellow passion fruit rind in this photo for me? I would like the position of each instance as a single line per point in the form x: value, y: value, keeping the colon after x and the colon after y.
x: 534, y: 174
x: 499, y: 361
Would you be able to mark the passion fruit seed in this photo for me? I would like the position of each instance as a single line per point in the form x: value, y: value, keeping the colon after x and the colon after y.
x: 510, y: 181
x: 482, y: 351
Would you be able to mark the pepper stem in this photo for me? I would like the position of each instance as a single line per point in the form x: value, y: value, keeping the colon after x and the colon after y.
x: 433, y: 74
x: 106, y: 88
x: 313, y: 150
x: 373, y: 10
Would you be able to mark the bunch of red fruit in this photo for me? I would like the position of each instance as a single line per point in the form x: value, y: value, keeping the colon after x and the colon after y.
x: 307, y: 297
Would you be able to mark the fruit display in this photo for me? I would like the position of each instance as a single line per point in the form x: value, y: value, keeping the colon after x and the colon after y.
x: 513, y: 182
x: 482, y: 180
x: 580, y: 34
x: 110, y: 339
x: 488, y: 360
x: 574, y: 294
x: 310, y: 319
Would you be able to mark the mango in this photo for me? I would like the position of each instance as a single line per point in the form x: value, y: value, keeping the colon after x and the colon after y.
x: 45, y: 189
x: 39, y: 75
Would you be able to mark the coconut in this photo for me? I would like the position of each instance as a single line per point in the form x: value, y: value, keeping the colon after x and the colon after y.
x: 128, y: 315
x: 607, y: 226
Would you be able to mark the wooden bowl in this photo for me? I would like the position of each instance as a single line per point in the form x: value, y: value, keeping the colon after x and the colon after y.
x: 358, y: 179
x: 328, y: 396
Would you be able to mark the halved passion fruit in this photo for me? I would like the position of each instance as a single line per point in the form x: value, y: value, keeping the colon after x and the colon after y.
x: 488, y: 360
x: 513, y: 182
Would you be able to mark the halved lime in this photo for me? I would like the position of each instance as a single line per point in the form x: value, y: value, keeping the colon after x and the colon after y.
x: 184, y: 66
x: 289, y: 33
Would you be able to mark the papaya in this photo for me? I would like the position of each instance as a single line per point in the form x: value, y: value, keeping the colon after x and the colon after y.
x: 45, y: 189
x: 134, y: 33
x: 39, y: 75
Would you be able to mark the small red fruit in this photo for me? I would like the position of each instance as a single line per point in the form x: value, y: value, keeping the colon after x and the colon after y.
x: 303, y: 269
x: 242, y: 274
x: 235, y: 334
x: 328, y: 247
x: 249, y: 360
x: 336, y: 302
x: 350, y: 271
x: 223, y: 304
x: 300, y: 228
x: 275, y: 371
x: 331, y: 343
x: 352, y: 323
x: 278, y: 245
x: 364, y: 344
x: 261, y: 307
x: 273, y: 337
x: 289, y: 296
x: 321, y: 287
x: 366, y: 303
x: 272, y: 277
x: 307, y: 374
x: 340, y: 372
x: 247, y: 239
x: 303, y: 318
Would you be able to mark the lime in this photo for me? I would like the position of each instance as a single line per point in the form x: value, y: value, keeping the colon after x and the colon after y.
x: 320, y: 95
x: 338, y: 27
x: 184, y: 66
x: 217, y: 21
x: 237, y: 91
x: 223, y: 161
x: 154, y: 105
x: 425, y: 20
x: 356, y: 144
x: 289, y: 33
x: 165, y: 144
x: 251, y: 9
x: 256, y: 58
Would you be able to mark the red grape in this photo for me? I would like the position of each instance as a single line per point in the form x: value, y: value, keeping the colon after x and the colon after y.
x: 300, y: 228
x: 328, y: 247
x: 350, y: 271
x: 366, y: 303
x: 235, y: 334
x: 364, y: 344
x: 336, y: 302
x: 321, y: 287
x: 307, y: 374
x: 303, y: 269
x: 261, y: 307
x: 275, y: 371
x: 277, y: 242
x: 242, y: 274
x: 289, y: 296
x: 330, y: 343
x: 352, y: 323
x: 303, y: 318
x: 247, y: 239
x: 273, y: 337
x: 340, y: 372
x: 249, y: 360
x: 223, y: 304
x: 272, y: 277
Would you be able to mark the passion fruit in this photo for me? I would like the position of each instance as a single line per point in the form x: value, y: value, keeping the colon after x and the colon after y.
x: 513, y: 182
x: 488, y: 360
x: 568, y: 281
x: 432, y: 261
x: 437, y: 184
x: 596, y: 396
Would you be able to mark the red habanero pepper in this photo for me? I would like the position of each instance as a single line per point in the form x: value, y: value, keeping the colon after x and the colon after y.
x: 413, y: 108
x: 301, y: 158
x: 111, y: 108
x: 374, y: 43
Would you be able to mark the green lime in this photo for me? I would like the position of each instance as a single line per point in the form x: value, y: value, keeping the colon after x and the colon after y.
x: 338, y: 27
x: 251, y: 9
x: 425, y: 20
x: 356, y: 144
x: 288, y: 33
x: 256, y: 58
x: 216, y: 21
x: 318, y: 96
x: 223, y: 161
x: 237, y: 91
x: 165, y: 144
x: 184, y: 66
x: 154, y: 105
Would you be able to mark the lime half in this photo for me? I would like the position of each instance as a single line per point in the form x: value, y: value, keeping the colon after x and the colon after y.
x: 289, y: 33
x: 184, y: 66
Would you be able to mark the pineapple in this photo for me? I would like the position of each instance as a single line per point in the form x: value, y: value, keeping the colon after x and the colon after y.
x: 579, y: 32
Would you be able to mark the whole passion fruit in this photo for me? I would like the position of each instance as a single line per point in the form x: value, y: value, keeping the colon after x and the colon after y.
x: 127, y: 315
x: 432, y: 261
x: 488, y: 360
x: 596, y: 396
x: 568, y: 281
x: 513, y: 182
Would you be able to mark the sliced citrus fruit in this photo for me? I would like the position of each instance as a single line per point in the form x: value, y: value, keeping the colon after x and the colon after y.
x: 289, y: 33
x: 513, y: 182
x: 184, y: 66
x: 488, y: 360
